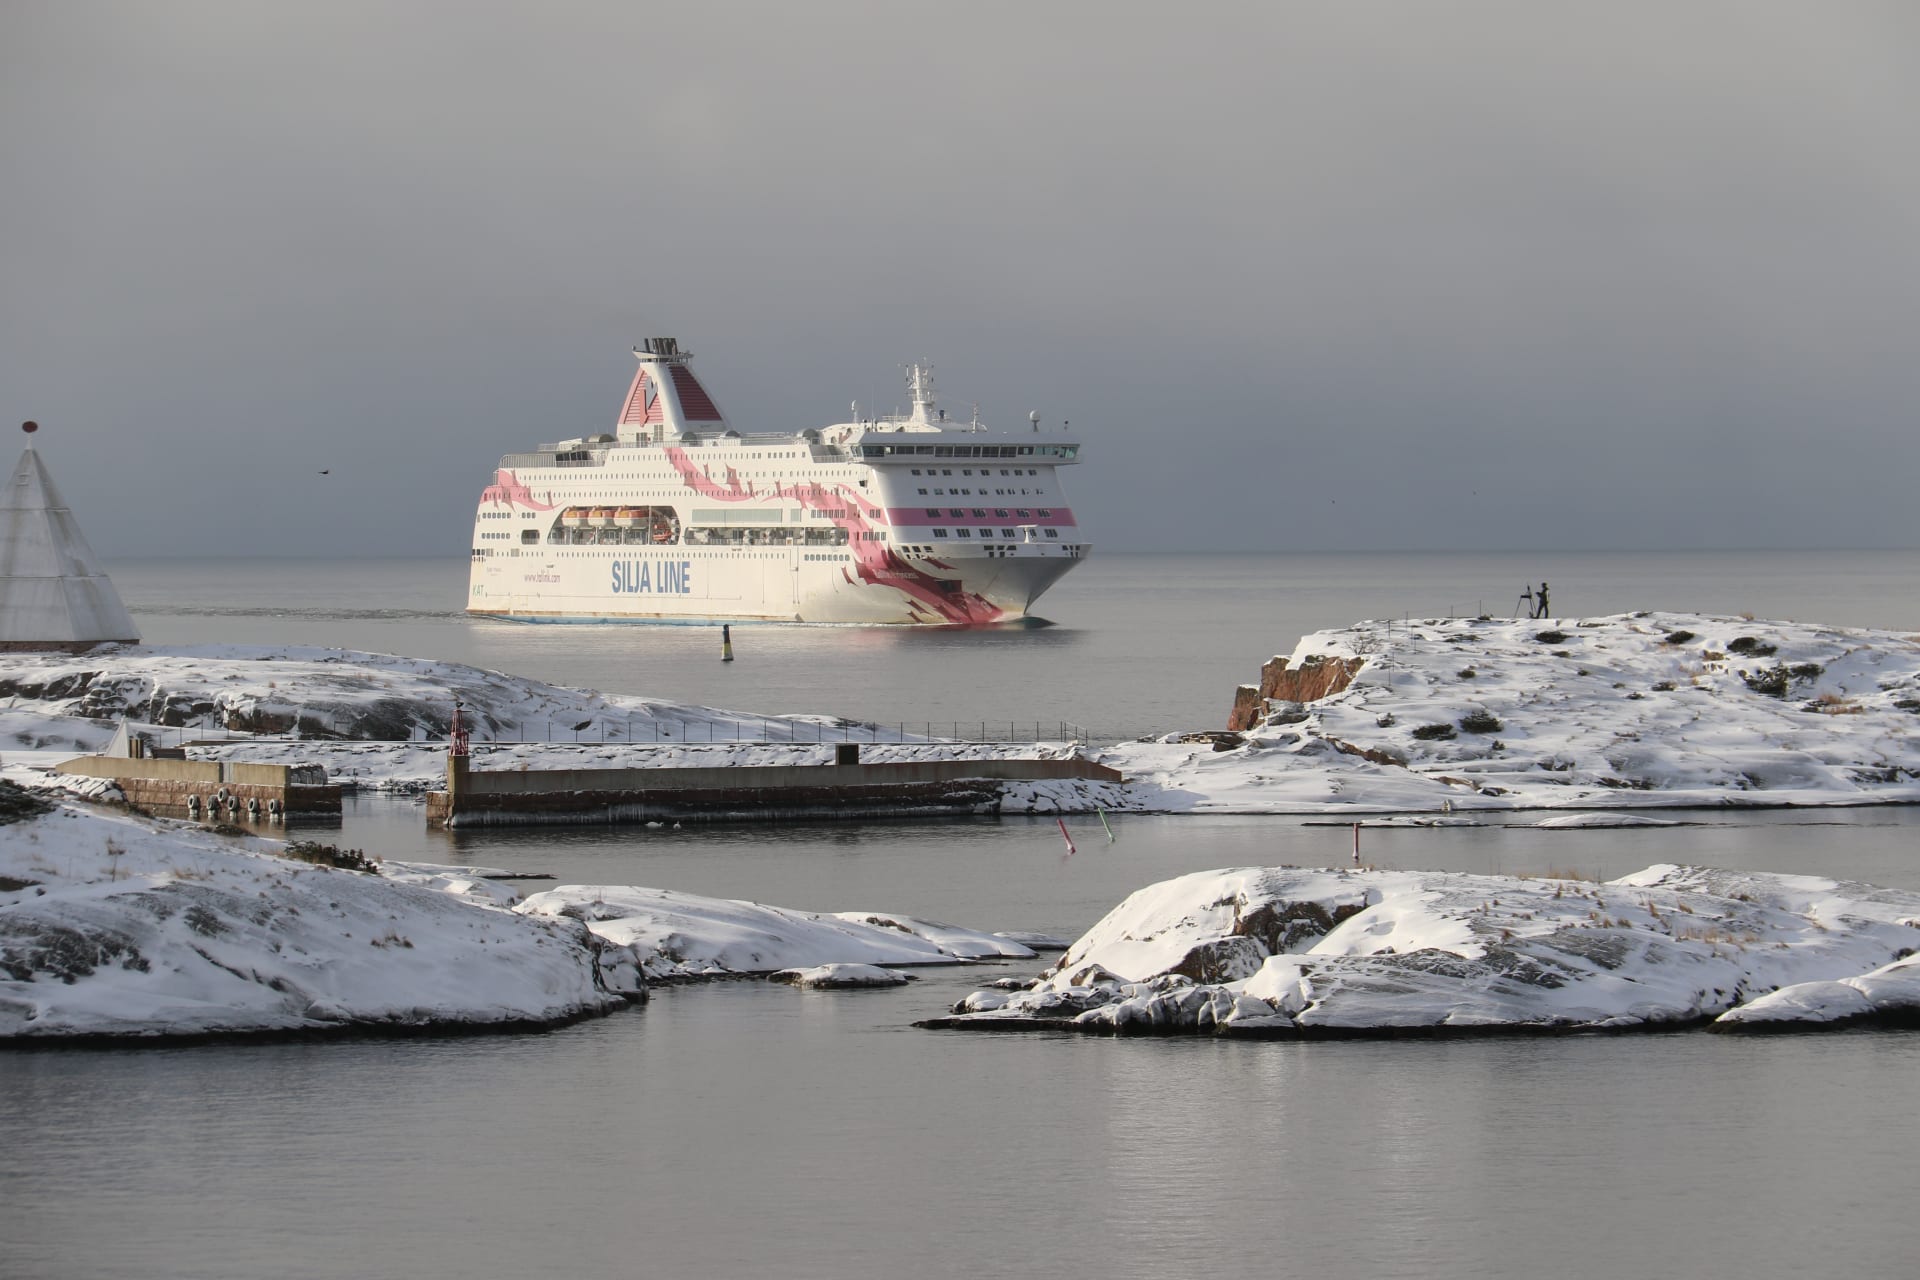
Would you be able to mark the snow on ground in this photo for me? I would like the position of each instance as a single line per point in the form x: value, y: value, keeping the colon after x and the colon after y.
x: 112, y: 924
x: 683, y: 935
x: 116, y: 925
x: 41, y: 728
x: 1274, y: 950
x: 1623, y: 712
x: 471, y: 882
x: 315, y: 693
x: 1635, y: 710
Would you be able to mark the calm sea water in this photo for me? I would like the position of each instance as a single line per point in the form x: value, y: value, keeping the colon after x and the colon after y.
x: 1139, y: 644
x: 748, y: 1129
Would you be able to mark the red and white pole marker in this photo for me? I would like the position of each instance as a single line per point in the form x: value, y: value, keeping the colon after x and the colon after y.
x: 1064, y: 836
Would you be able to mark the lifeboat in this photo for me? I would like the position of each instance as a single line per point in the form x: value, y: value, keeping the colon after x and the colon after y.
x: 574, y: 517
x: 629, y: 517
x: 602, y: 517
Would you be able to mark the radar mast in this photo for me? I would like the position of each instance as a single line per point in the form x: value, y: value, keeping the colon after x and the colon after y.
x: 920, y: 389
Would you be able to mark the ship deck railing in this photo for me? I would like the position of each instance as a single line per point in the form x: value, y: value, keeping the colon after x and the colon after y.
x: 595, y: 455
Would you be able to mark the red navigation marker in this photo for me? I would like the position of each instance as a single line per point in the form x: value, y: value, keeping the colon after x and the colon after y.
x: 29, y: 427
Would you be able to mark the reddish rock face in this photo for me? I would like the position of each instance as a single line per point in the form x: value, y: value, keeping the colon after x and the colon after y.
x: 1319, y: 676
x: 1247, y: 707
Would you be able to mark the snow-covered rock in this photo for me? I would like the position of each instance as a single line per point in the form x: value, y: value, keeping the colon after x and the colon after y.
x: 1889, y: 992
x: 843, y: 976
x: 1034, y: 941
x: 58, y: 701
x: 963, y: 944
x: 682, y: 935
x: 1592, y: 821
x: 1629, y: 711
x: 1284, y: 950
x: 122, y: 926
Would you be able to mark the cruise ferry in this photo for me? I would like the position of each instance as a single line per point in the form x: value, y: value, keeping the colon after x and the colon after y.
x: 675, y: 516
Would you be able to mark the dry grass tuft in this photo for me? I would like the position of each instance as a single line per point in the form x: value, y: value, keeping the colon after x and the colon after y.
x: 1836, y: 704
x: 327, y: 855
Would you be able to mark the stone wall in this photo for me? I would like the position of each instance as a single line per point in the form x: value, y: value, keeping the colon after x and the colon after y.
x: 121, y: 768
x: 167, y: 797
x: 163, y: 786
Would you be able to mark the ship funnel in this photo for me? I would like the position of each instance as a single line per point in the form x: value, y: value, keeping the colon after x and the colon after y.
x: 665, y: 400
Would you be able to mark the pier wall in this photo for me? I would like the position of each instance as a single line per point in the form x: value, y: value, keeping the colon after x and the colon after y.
x: 752, y: 792
x: 164, y: 786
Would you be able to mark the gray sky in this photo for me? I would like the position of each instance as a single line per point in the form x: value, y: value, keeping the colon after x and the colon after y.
x: 1331, y: 276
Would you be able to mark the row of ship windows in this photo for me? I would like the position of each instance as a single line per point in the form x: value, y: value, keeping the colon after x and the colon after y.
x: 697, y: 536
x: 988, y: 533
x: 967, y: 471
x: 968, y: 493
x: 968, y: 450
x: 487, y: 553
x: 706, y: 457
x: 666, y: 535
x: 1000, y: 550
x: 727, y: 535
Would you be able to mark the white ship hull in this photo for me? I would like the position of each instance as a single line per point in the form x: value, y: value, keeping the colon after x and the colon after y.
x: 677, y: 518
x: 697, y: 585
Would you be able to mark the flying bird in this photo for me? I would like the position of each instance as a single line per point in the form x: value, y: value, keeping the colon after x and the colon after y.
x: 326, y: 471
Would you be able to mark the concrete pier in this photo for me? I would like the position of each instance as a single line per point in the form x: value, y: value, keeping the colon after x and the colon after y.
x: 165, y: 786
x: 848, y: 789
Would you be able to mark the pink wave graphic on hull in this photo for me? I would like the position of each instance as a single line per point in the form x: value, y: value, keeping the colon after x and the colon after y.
x: 506, y: 487
x: 874, y: 562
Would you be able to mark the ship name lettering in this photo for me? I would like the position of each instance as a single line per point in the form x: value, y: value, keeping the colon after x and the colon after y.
x: 646, y: 577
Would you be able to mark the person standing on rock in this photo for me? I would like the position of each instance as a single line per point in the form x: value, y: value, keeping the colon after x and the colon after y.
x: 1540, y: 606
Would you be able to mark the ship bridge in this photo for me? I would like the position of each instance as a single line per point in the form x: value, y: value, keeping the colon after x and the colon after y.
x: 1054, y: 452
x: 933, y: 435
